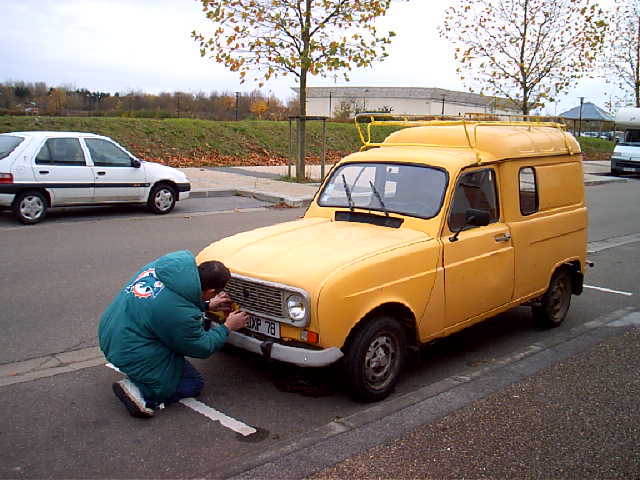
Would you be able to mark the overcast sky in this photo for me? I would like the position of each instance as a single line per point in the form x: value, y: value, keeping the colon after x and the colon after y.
x: 146, y: 45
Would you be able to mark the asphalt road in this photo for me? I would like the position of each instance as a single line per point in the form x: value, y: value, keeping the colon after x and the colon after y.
x: 59, y: 275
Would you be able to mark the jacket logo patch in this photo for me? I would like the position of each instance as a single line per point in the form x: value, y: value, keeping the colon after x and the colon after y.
x: 146, y: 285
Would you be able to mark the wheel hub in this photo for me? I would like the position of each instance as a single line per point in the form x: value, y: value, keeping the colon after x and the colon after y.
x: 31, y: 207
x: 163, y: 199
x: 379, y: 360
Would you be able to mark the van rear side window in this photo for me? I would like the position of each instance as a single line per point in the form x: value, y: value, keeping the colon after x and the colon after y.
x: 529, y: 202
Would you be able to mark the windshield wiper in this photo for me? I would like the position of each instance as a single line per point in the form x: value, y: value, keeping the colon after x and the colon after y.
x: 375, y: 192
x: 348, y: 192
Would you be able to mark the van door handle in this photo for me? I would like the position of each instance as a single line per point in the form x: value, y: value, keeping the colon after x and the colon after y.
x: 43, y: 172
x: 505, y: 237
x: 102, y: 173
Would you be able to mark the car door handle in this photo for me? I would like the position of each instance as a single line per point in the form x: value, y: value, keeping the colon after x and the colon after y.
x: 505, y: 237
x: 43, y: 172
x: 102, y: 173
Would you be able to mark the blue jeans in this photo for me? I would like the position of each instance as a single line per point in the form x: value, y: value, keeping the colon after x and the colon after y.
x: 191, y: 384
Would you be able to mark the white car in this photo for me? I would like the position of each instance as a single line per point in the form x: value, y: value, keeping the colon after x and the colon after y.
x: 39, y: 170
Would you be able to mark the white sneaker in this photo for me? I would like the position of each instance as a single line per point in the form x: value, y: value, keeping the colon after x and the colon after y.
x: 129, y: 394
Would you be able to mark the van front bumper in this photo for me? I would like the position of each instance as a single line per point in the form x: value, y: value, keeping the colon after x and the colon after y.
x: 302, y: 357
x: 625, y: 164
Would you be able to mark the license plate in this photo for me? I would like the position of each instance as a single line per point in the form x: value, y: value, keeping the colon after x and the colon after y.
x: 630, y: 169
x: 264, y: 326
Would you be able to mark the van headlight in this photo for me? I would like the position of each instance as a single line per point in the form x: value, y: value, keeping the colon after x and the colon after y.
x: 296, y: 307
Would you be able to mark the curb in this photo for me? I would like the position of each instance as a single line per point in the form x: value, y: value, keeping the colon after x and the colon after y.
x: 293, y: 202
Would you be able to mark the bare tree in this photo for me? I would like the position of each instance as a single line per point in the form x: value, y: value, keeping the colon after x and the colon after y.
x: 621, y: 59
x: 298, y: 37
x: 527, y: 51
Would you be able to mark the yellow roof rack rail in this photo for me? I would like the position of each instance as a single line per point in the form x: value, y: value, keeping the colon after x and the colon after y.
x: 367, y: 122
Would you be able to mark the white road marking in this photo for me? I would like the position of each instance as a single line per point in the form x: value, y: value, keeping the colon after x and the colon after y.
x: 209, y: 412
x: 608, y: 290
x: 216, y: 416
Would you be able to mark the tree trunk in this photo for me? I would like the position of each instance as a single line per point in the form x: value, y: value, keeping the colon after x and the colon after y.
x: 302, y: 127
x: 304, y: 69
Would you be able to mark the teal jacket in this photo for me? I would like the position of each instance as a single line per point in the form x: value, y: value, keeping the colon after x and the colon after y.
x: 155, y: 321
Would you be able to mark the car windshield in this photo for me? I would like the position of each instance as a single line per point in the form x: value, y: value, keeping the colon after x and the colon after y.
x: 8, y: 144
x: 406, y: 189
x: 631, y: 138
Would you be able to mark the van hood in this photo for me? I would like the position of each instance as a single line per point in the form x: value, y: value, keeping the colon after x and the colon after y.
x: 304, y: 252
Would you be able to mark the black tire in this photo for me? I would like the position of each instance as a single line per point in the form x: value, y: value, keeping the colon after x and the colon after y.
x: 615, y: 172
x: 30, y: 207
x: 555, y: 303
x: 374, y: 359
x: 162, y: 198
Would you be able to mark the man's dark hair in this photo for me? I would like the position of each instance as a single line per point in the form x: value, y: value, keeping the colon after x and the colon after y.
x: 213, y: 274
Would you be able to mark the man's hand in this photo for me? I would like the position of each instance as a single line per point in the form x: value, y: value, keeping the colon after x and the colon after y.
x: 220, y: 303
x: 236, y: 320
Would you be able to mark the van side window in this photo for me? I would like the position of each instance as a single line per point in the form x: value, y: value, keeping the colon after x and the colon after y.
x: 475, y: 190
x: 529, y: 202
x: 61, y: 151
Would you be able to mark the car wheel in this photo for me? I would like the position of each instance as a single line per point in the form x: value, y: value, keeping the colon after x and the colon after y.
x: 30, y: 207
x: 615, y: 172
x: 554, y: 304
x: 374, y: 359
x: 162, y: 198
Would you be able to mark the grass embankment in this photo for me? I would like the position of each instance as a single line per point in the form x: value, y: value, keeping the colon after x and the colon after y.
x: 182, y: 142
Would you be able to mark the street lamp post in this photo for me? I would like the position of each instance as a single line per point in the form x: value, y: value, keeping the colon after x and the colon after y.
x: 330, y: 111
x: 237, y: 101
x: 580, y: 118
x: 443, y: 105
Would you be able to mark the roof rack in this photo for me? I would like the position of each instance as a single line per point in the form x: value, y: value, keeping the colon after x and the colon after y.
x: 470, y: 122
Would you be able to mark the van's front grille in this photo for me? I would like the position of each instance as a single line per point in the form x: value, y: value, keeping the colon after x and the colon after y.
x: 256, y: 297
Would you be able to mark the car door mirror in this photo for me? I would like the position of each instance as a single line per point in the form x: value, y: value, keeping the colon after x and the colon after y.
x: 473, y: 217
x: 135, y: 163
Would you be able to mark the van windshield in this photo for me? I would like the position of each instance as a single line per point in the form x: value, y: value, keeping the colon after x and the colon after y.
x: 8, y: 144
x: 631, y: 138
x: 412, y: 190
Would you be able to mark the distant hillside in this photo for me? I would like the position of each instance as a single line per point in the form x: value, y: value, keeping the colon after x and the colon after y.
x: 188, y: 142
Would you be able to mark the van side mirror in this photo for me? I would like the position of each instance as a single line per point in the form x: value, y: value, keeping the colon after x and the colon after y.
x: 473, y: 217
x: 135, y: 163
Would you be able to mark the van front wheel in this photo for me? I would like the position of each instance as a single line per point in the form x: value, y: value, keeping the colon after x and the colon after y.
x: 554, y: 304
x: 374, y: 359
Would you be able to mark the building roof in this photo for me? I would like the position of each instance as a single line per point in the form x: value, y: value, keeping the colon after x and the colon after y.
x: 419, y: 93
x: 590, y: 111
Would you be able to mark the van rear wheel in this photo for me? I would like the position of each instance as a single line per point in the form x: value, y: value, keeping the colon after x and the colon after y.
x: 554, y: 304
x: 374, y: 359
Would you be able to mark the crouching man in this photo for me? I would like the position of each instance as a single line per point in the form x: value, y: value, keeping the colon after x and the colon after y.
x: 156, y: 320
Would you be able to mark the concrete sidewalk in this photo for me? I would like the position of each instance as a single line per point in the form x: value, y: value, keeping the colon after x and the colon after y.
x: 265, y: 182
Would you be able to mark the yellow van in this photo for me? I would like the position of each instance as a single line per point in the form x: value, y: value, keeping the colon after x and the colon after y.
x: 439, y: 226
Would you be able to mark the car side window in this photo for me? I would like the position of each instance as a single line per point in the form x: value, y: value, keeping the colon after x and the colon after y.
x: 61, y: 151
x: 106, y: 154
x: 475, y: 190
x: 529, y: 202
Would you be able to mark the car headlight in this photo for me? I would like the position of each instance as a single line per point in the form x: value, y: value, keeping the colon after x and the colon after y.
x: 296, y: 307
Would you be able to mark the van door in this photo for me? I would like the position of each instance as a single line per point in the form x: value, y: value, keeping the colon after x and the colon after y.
x: 479, y: 264
x: 61, y: 167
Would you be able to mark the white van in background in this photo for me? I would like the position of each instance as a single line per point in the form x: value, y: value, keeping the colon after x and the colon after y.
x: 626, y: 155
